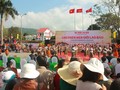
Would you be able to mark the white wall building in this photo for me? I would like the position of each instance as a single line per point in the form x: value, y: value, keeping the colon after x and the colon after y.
x: 44, y: 34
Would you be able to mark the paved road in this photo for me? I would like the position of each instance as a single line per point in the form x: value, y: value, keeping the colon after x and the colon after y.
x: 22, y: 54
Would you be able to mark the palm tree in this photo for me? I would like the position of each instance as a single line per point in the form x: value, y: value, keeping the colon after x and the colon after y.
x: 6, y: 9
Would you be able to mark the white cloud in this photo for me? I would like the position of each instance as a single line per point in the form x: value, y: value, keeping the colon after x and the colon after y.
x: 83, y: 2
x: 54, y: 19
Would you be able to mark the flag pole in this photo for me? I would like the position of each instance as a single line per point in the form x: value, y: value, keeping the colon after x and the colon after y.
x: 82, y: 22
x: 91, y: 23
x: 88, y: 11
x: 74, y: 21
x: 91, y: 20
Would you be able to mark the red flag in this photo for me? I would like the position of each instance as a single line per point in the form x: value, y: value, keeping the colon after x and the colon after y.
x: 89, y: 10
x: 71, y: 11
x: 79, y: 10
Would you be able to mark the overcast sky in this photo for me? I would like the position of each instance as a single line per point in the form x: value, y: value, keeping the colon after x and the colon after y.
x: 52, y: 14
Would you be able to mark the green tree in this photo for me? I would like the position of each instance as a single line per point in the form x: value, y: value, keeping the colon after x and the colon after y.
x: 5, y: 32
x: 14, y: 31
x: 6, y: 9
x: 109, y: 10
x: 25, y: 34
x: 94, y: 27
x: 108, y: 21
x: 107, y: 6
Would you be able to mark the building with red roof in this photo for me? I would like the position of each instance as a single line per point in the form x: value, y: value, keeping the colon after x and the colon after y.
x: 44, y: 34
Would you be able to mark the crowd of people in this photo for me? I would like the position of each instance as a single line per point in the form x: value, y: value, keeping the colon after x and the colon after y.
x: 63, y: 67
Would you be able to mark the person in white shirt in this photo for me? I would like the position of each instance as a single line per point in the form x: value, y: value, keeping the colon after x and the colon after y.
x: 99, y: 50
x: 104, y: 62
x: 106, y: 67
x: 5, y: 58
x: 113, y: 61
x: 117, y: 67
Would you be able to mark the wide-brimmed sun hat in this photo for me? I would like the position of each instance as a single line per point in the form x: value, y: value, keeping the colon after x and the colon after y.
x: 67, y: 73
x: 29, y: 71
x: 7, y: 75
x: 95, y: 65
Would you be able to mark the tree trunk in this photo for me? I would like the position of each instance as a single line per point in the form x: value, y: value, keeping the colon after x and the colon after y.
x: 1, y: 29
x: 119, y: 13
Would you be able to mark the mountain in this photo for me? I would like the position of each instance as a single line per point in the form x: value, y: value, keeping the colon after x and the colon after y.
x: 29, y: 30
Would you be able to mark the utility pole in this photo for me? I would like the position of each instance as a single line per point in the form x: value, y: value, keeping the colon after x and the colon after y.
x: 21, y: 25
